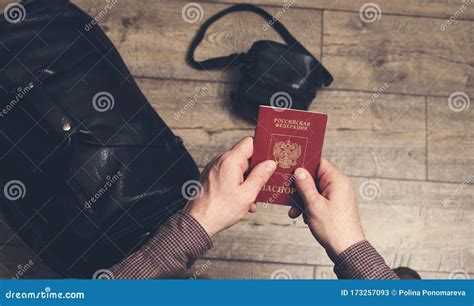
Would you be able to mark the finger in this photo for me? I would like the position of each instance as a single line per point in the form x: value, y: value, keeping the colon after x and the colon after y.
x: 244, y: 148
x: 306, y: 187
x: 253, y: 208
x: 241, y: 153
x: 258, y: 177
x: 328, y: 173
x: 294, y: 212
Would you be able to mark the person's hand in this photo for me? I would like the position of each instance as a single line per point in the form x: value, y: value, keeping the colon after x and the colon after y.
x: 226, y: 197
x: 331, y: 214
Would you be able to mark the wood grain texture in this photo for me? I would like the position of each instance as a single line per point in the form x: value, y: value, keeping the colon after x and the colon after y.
x: 388, y: 143
x: 223, y: 269
x: 451, y: 140
x: 430, y: 8
x: 412, y: 55
x: 366, y: 136
x: 153, y: 36
x: 421, y: 238
x: 423, y: 195
x: 230, y: 269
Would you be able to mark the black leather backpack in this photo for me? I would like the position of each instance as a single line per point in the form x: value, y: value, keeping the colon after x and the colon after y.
x: 87, y: 168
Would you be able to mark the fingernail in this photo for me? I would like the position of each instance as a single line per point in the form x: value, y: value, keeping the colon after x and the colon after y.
x: 300, y: 174
x: 270, y: 166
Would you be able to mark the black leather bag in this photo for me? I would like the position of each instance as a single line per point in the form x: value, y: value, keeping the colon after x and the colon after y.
x: 88, y: 169
x: 271, y: 73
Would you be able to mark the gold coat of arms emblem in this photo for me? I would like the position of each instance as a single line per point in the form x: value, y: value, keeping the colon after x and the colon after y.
x: 286, y: 153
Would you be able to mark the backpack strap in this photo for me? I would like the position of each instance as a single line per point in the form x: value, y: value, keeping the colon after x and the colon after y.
x: 236, y: 58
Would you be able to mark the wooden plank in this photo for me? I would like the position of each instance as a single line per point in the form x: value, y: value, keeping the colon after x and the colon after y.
x: 366, y: 136
x: 223, y: 269
x: 153, y: 36
x: 421, y: 238
x: 388, y: 192
x: 451, y: 140
x: 412, y: 55
x: 231, y: 269
x: 431, y: 8
x: 18, y: 262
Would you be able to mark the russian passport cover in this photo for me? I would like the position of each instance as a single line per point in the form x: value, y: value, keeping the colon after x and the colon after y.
x: 292, y: 138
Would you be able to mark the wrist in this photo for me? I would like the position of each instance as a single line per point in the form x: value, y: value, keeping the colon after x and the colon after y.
x: 202, y: 218
x: 338, y: 248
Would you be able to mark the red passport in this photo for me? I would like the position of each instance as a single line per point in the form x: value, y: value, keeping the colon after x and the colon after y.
x: 292, y: 138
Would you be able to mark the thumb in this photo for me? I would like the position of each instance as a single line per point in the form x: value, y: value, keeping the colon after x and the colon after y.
x: 259, y: 176
x: 307, y: 188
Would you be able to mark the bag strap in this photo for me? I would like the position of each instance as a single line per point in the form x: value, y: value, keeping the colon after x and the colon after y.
x: 236, y: 58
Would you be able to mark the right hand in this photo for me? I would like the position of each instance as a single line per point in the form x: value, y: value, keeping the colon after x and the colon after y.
x: 332, y: 214
x: 226, y: 196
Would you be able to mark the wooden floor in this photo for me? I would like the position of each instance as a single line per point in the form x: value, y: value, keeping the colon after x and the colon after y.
x: 409, y: 143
